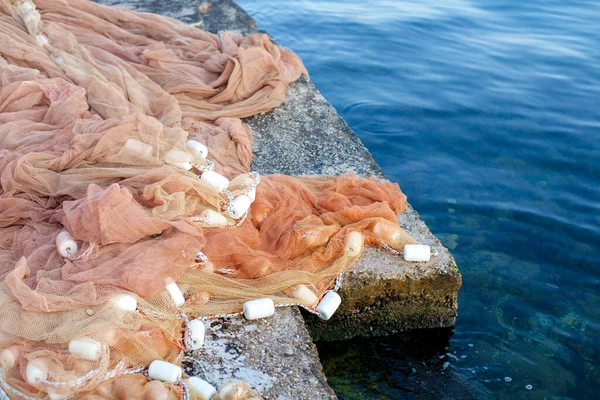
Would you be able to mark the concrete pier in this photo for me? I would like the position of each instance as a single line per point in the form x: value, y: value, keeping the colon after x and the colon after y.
x: 381, y: 294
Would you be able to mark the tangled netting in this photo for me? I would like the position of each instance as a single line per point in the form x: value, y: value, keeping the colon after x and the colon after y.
x: 96, y: 107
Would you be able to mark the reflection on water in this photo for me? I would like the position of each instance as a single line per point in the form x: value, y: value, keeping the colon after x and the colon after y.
x: 488, y: 115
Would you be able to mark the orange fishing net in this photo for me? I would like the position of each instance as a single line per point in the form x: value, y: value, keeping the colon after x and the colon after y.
x: 96, y: 107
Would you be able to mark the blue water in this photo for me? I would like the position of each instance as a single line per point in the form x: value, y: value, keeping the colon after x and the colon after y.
x: 487, y: 112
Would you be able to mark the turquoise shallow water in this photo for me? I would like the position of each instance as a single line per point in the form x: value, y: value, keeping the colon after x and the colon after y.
x: 487, y: 112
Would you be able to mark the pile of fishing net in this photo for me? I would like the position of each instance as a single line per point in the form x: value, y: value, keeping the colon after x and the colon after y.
x: 110, y: 244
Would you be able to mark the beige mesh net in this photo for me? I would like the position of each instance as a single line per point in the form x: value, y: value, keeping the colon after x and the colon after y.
x: 96, y: 107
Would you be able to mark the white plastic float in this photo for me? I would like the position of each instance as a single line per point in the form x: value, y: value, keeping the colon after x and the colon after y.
x: 304, y: 295
x: 252, y: 194
x: 354, y: 243
x: 389, y: 232
x: 212, y: 217
x: 86, y: 348
x: 26, y: 7
x: 215, y: 180
x: 9, y: 357
x: 196, y: 334
x: 66, y: 245
x: 36, y: 371
x: 125, y: 302
x: 417, y: 252
x: 328, y: 305
x: 41, y: 40
x: 200, y: 388
x: 138, y: 148
x: 163, y: 371
x: 239, y: 206
x: 259, y: 308
x: 179, y: 159
x: 175, y: 294
x: 197, y: 149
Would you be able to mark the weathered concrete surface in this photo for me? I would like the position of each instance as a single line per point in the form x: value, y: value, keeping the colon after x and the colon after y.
x: 275, y: 356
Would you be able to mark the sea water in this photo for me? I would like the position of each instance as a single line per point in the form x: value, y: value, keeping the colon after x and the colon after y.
x: 487, y: 113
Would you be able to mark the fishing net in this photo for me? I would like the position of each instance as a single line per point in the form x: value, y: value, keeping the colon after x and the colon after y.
x: 97, y: 106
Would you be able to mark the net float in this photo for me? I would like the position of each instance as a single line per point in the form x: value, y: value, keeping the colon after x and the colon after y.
x: 239, y: 206
x: 164, y: 371
x: 259, y: 308
x: 252, y: 194
x: 388, y: 232
x: 215, y: 180
x: 200, y: 388
x: 138, y: 148
x: 65, y: 244
x: 354, y: 243
x: 417, y: 252
x: 211, y: 217
x: 197, y: 149
x: 175, y: 294
x: 304, y: 295
x: 328, y: 305
x: 125, y: 302
x: 36, y: 371
x: 179, y: 159
x: 26, y: 6
x: 86, y: 348
x: 196, y: 334
x: 9, y: 357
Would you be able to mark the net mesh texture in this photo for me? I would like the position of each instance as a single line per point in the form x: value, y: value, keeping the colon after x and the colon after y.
x: 96, y: 105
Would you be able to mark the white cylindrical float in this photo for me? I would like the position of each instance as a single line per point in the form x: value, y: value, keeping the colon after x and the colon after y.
x: 304, y: 295
x: 179, y: 159
x: 197, y: 149
x: 138, y: 148
x: 328, y: 305
x: 239, y: 206
x: 389, y: 232
x: 259, y: 308
x: 211, y: 217
x: 354, y: 243
x: 163, y: 371
x: 252, y: 194
x: 26, y: 6
x: 196, y: 334
x: 9, y: 357
x: 36, y: 371
x: 66, y: 245
x: 41, y: 40
x: 125, y: 302
x: 86, y: 348
x: 175, y: 294
x: 215, y: 180
x: 417, y: 252
x: 201, y: 389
